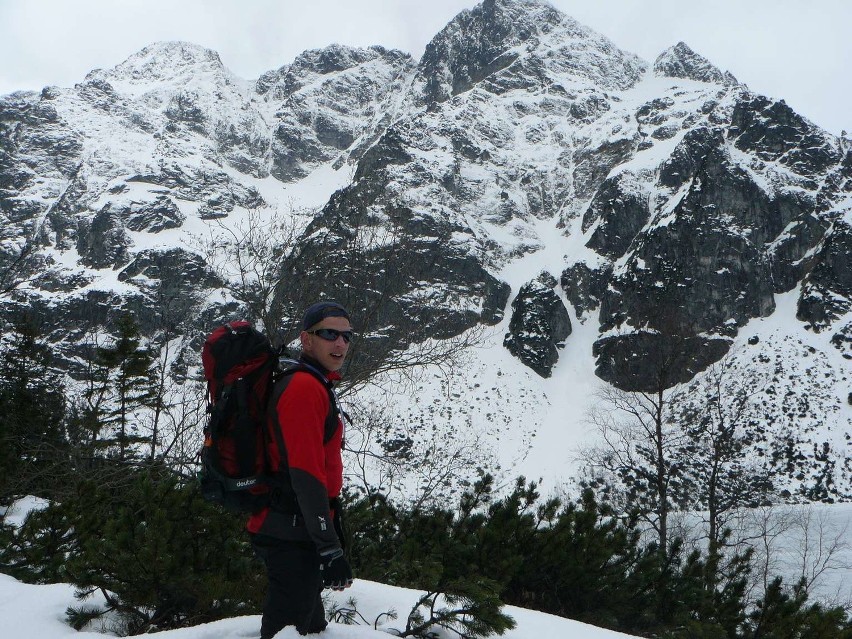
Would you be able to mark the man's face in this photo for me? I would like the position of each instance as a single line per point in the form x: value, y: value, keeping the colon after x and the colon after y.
x: 329, y: 353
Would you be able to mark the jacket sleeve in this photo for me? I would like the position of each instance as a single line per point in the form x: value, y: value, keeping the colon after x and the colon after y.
x: 302, y: 410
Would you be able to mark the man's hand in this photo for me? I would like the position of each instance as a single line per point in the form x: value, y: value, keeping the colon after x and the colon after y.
x: 335, y: 570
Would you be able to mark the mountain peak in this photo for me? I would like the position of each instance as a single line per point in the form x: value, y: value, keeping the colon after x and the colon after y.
x: 487, y: 39
x: 320, y: 64
x: 680, y: 61
x: 163, y: 61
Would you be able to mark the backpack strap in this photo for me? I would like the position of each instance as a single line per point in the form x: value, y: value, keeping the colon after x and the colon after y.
x: 334, y: 409
x: 217, y: 410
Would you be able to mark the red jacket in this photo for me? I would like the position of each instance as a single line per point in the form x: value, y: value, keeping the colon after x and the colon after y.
x: 296, y: 447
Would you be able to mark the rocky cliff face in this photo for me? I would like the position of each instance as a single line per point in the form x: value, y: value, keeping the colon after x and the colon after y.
x: 329, y: 103
x: 539, y: 325
x: 682, y: 204
x: 736, y: 217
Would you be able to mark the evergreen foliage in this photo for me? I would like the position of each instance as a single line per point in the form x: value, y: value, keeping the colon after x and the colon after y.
x: 436, y: 551
x: 121, y: 383
x: 37, y: 552
x: 32, y: 413
x: 577, y: 560
x: 786, y: 614
x: 162, y: 556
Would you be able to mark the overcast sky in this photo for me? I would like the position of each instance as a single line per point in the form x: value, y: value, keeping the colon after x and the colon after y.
x: 798, y: 50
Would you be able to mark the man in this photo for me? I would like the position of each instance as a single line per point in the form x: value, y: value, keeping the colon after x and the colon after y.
x: 299, y: 536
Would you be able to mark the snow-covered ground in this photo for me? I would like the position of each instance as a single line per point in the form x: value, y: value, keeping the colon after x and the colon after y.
x: 37, y: 612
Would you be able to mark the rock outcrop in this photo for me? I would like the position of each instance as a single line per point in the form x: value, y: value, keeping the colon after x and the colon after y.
x: 539, y: 326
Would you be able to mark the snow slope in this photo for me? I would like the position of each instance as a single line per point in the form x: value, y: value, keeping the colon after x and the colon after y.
x: 37, y: 612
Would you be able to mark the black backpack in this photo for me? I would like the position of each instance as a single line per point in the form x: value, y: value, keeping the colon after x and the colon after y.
x: 241, y: 368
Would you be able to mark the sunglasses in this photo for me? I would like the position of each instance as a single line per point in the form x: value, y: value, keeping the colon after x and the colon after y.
x: 332, y: 334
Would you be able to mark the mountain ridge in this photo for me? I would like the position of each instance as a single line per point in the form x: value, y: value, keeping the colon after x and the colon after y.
x: 542, y: 184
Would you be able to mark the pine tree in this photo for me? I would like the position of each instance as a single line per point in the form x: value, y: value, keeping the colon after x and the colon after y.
x: 786, y: 614
x: 161, y: 555
x: 118, y: 384
x: 32, y: 413
x: 436, y: 550
x: 37, y: 551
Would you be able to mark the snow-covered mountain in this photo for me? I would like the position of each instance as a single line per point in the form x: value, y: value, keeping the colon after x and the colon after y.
x: 608, y: 220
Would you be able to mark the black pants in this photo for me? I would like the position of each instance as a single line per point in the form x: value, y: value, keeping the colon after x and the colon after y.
x: 293, y: 593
